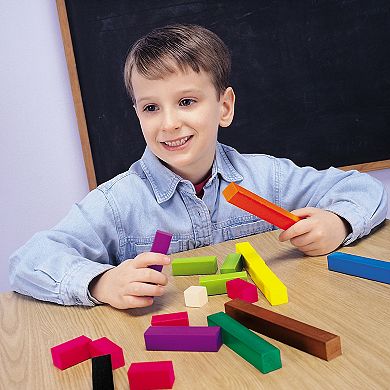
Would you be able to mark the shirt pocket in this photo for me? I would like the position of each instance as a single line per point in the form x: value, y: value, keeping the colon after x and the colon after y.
x: 239, y: 228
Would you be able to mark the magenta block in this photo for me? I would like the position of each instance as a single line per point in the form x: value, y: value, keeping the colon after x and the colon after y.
x: 105, y: 346
x: 151, y: 375
x: 161, y: 243
x: 183, y: 338
x: 171, y: 319
x: 71, y: 352
x: 238, y: 288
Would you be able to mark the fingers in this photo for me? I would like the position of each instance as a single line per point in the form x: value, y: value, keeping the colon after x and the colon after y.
x: 150, y: 258
x: 145, y: 290
x: 299, y: 228
x: 132, y: 301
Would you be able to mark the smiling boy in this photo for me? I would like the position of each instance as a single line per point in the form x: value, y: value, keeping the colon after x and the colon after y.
x: 178, y: 79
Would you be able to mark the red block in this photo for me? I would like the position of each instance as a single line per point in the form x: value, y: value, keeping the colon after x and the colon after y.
x: 151, y: 375
x: 171, y: 319
x: 104, y: 346
x: 71, y: 352
x: 238, y: 288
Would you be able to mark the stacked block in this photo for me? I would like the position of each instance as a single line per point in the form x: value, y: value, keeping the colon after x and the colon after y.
x: 104, y: 346
x: 297, y: 334
x: 363, y: 267
x: 258, y: 352
x: 262, y: 208
x: 195, y: 296
x: 102, y: 378
x: 151, y: 375
x: 232, y: 263
x: 268, y: 283
x: 161, y: 243
x: 171, y: 319
x: 71, y: 352
x: 216, y: 284
x: 238, y: 288
x: 183, y: 338
x: 197, y: 265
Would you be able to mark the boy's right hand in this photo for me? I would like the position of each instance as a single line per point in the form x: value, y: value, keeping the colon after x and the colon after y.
x: 131, y: 284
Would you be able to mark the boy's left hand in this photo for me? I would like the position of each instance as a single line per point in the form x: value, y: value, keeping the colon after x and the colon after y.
x: 319, y: 233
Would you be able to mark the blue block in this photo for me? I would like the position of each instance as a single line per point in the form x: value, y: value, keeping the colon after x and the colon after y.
x: 364, y: 267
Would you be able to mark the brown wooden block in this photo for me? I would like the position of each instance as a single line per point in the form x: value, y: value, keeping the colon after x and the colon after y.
x: 297, y: 334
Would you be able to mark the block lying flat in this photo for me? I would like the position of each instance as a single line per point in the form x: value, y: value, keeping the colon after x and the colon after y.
x: 197, y: 265
x: 216, y: 284
x: 363, y: 267
x: 238, y: 288
x: 151, y: 375
x: 171, y: 319
x: 102, y: 378
x: 256, y: 205
x: 195, y: 296
x: 297, y: 334
x: 183, y: 338
x: 258, y: 352
x: 161, y: 243
x: 267, y: 282
x: 232, y: 263
x: 105, y: 346
x: 71, y: 352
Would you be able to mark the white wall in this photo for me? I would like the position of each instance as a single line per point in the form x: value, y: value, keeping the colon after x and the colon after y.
x: 41, y: 167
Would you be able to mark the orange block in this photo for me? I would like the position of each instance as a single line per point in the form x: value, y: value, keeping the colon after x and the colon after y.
x: 262, y: 208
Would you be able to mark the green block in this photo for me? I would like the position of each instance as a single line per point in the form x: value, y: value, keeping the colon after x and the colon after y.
x: 255, y: 350
x: 197, y: 265
x: 216, y: 284
x: 232, y: 263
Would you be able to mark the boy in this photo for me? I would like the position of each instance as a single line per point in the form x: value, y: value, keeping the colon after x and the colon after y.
x: 178, y: 79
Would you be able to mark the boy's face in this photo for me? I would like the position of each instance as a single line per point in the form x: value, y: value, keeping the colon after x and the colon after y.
x: 179, y: 116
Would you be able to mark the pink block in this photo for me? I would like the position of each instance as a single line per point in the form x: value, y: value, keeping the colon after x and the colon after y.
x: 238, y: 288
x: 71, y: 352
x: 151, y: 375
x: 104, y: 346
x: 171, y: 319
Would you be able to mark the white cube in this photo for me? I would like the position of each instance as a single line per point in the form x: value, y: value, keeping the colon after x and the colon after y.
x: 196, y: 296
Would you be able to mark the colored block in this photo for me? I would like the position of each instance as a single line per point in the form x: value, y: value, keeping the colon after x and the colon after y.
x: 161, y: 243
x: 195, y: 296
x: 71, y: 352
x: 232, y: 263
x: 197, y: 265
x: 297, y: 334
x: 105, y: 346
x: 363, y: 267
x: 238, y: 288
x: 268, y: 283
x: 183, y: 338
x: 262, y: 208
x: 102, y: 378
x: 255, y: 350
x: 171, y: 319
x: 216, y: 284
x: 151, y: 375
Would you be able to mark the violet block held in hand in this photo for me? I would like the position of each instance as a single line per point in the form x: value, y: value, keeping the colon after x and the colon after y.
x: 161, y: 243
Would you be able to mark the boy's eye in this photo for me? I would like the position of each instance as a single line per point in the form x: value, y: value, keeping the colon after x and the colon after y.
x: 186, y: 102
x: 150, y: 108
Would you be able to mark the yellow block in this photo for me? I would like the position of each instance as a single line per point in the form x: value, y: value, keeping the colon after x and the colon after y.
x: 268, y: 283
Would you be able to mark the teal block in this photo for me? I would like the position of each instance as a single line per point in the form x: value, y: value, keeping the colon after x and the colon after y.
x: 255, y: 350
x: 197, y: 265
x: 232, y: 263
x: 216, y: 284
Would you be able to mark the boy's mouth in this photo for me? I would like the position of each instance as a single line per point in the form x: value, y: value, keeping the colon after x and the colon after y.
x: 177, y: 143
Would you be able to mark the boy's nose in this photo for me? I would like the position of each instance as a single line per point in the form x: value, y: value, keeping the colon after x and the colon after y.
x: 171, y: 120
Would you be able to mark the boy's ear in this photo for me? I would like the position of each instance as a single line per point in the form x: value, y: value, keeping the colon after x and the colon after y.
x: 227, y: 107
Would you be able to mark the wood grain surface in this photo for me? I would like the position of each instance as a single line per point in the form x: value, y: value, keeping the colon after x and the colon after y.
x: 357, y: 310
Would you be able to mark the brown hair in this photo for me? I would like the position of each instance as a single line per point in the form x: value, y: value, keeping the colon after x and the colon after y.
x: 179, y: 46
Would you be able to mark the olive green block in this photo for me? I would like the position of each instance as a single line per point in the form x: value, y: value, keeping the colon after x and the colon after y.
x: 255, y: 350
x: 197, y: 265
x: 232, y: 263
x: 216, y: 284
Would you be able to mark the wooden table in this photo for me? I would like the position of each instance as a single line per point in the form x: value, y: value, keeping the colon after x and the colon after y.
x: 356, y: 309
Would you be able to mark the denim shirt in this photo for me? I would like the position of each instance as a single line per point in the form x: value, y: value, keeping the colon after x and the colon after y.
x: 118, y: 220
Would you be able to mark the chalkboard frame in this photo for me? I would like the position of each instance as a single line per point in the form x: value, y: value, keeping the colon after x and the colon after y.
x: 80, y: 112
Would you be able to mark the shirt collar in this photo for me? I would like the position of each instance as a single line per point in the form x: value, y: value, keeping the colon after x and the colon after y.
x: 164, y: 181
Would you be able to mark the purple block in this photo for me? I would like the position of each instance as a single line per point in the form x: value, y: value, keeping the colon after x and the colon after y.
x: 183, y: 338
x: 161, y: 244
